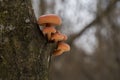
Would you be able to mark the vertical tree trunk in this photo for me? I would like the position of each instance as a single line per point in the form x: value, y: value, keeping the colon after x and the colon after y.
x: 24, y: 52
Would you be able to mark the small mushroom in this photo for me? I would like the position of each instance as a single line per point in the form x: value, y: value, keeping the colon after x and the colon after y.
x: 62, y: 47
x: 58, y: 37
x: 49, y: 21
x: 48, y: 31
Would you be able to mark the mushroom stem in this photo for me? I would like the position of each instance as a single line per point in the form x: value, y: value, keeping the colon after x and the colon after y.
x: 48, y: 31
x: 49, y: 36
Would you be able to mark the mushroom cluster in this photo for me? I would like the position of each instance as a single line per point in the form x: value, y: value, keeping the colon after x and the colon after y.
x: 49, y: 22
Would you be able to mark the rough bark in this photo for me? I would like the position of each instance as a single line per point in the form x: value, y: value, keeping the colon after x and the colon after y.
x: 24, y: 52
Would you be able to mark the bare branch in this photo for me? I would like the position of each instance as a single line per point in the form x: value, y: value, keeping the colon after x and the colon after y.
x: 96, y: 20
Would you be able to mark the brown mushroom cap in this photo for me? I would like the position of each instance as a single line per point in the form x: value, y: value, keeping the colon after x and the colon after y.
x: 63, y: 46
x: 50, y: 19
x: 57, y: 53
x: 49, y: 30
x: 57, y: 37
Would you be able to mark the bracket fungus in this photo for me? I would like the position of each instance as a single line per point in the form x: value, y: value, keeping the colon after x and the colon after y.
x: 62, y: 47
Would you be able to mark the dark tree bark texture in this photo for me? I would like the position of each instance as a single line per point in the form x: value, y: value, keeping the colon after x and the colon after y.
x: 24, y: 51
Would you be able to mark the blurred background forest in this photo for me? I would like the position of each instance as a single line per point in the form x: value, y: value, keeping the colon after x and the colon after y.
x: 93, y: 30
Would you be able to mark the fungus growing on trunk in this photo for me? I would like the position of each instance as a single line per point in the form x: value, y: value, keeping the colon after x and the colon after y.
x: 58, y: 37
x: 62, y: 47
x: 49, y: 21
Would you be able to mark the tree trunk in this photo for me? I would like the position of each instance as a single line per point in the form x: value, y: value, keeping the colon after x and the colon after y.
x: 24, y: 52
